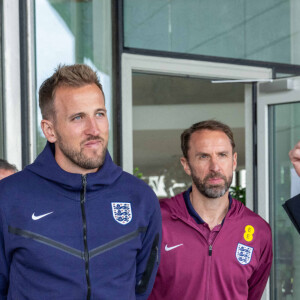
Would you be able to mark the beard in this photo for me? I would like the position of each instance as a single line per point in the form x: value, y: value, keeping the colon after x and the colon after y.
x: 79, y: 158
x: 211, y: 190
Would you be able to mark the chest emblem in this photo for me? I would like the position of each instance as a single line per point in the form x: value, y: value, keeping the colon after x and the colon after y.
x: 243, y: 254
x: 122, y: 212
x: 249, y: 231
x: 173, y: 247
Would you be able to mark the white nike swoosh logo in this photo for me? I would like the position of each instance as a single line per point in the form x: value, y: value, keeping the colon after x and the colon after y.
x: 40, y: 216
x: 171, y: 248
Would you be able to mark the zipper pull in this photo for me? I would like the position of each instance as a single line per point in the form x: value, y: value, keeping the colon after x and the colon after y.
x: 83, y: 180
x: 83, y: 191
x: 210, y: 250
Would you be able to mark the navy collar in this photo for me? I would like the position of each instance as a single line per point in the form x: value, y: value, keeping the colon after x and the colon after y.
x: 191, y: 209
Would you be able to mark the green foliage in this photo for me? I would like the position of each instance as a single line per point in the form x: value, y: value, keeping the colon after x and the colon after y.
x: 238, y: 193
x: 137, y: 173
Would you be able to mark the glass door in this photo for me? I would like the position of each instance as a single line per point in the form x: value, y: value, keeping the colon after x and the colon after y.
x: 163, y: 96
x: 278, y: 111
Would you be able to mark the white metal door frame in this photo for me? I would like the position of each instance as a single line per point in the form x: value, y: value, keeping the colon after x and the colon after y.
x: 11, y: 83
x: 12, y: 108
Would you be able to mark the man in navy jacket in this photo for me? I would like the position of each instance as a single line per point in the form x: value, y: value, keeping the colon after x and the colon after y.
x: 73, y: 225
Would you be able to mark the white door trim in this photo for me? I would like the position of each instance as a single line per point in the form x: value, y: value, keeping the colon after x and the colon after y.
x: 11, y: 83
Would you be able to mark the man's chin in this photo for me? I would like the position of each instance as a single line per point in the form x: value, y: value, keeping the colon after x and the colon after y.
x: 94, y: 154
x: 90, y: 164
x: 215, y: 192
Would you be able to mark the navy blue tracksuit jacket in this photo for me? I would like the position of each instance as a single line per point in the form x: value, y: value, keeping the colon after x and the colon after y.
x: 68, y: 236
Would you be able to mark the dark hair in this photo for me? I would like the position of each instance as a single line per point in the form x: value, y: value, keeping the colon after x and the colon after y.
x: 76, y: 75
x: 5, y: 165
x: 204, y: 125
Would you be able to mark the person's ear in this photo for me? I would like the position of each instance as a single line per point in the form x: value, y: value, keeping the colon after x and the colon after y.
x: 234, y: 160
x: 48, y: 130
x: 185, y: 165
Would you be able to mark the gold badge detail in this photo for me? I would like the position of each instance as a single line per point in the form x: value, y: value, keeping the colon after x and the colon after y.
x: 249, y: 231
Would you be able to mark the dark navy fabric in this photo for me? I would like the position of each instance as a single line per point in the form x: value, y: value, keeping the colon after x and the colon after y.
x: 191, y: 210
x: 292, y: 209
x: 44, y: 258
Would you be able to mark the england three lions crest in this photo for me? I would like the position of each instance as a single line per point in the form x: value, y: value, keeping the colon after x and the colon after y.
x: 243, y: 254
x: 122, y: 212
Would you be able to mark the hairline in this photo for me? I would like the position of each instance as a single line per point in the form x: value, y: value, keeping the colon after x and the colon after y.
x: 52, y: 115
x: 208, y: 129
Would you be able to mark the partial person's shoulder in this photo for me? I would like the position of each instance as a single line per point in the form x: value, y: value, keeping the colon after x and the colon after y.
x: 133, y: 181
x: 257, y: 222
x: 135, y: 187
x: 15, y: 180
x: 15, y: 184
x: 247, y: 221
x: 251, y: 214
x: 173, y: 205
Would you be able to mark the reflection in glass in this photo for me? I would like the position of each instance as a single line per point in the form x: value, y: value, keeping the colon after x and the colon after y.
x: 284, y: 133
x: 70, y: 32
x: 257, y: 30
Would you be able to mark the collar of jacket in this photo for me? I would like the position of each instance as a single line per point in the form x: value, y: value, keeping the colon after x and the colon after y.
x: 177, y: 208
x: 45, y: 166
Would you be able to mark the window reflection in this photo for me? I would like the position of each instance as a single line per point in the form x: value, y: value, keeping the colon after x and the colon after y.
x: 285, y: 132
x: 68, y: 32
x: 255, y: 30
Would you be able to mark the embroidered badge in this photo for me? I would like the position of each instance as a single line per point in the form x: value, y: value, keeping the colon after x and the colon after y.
x: 243, y: 254
x: 122, y: 212
x: 249, y: 231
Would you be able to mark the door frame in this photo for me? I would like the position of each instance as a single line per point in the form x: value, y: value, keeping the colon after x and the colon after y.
x: 11, y: 87
x: 184, y: 67
x: 281, y: 91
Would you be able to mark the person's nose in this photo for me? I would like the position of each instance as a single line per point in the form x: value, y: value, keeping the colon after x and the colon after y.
x: 214, y: 164
x: 92, y: 127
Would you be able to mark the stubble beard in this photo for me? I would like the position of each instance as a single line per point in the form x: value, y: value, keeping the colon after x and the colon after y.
x: 79, y: 158
x: 209, y: 190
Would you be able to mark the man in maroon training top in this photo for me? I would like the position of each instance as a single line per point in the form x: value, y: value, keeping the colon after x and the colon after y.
x: 213, y: 247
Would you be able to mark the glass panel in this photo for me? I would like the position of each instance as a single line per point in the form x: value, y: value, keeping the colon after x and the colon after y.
x: 255, y: 30
x: 163, y: 106
x: 68, y: 32
x: 284, y: 133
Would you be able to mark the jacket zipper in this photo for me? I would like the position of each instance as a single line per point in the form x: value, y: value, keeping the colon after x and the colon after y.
x: 210, y: 249
x: 209, y: 270
x: 86, y: 250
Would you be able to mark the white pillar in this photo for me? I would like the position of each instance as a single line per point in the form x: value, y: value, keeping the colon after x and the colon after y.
x: 11, y: 83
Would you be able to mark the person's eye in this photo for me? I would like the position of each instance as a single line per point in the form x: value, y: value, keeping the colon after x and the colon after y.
x: 100, y: 114
x: 77, y: 118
